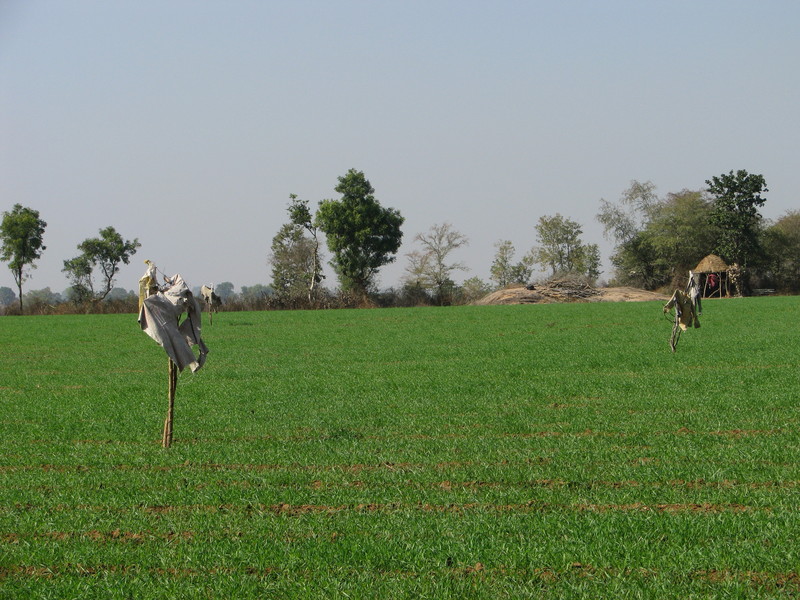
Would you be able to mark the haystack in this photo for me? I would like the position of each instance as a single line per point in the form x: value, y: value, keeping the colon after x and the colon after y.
x: 711, y: 264
x: 713, y: 274
x: 555, y: 290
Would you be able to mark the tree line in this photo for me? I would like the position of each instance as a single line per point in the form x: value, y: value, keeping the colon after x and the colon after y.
x: 362, y: 236
x: 656, y: 241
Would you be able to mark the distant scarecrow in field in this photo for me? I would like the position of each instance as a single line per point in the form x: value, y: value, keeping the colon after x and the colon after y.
x: 211, y: 300
x: 160, y: 311
x: 688, y: 307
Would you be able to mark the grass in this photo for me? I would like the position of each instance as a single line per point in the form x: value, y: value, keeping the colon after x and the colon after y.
x: 488, y: 452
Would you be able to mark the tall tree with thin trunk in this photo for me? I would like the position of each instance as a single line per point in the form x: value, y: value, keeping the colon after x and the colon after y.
x: 292, y: 258
x: 300, y: 215
x: 21, y: 233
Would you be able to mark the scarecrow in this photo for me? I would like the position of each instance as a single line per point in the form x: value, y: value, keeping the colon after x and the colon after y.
x: 687, y: 306
x: 160, y: 311
x: 211, y: 300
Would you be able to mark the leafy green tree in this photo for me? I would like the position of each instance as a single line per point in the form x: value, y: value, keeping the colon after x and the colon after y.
x: 300, y: 215
x: 522, y: 272
x: 588, y: 262
x: 737, y: 198
x: 680, y: 233
x: 635, y: 263
x: 781, y: 242
x: 105, y: 253
x: 559, y: 243
x: 561, y: 250
x: 79, y: 271
x: 500, y: 271
x: 362, y: 235
x: 504, y: 271
x: 657, y: 239
x: 431, y: 267
x: 292, y: 257
x: 21, y: 232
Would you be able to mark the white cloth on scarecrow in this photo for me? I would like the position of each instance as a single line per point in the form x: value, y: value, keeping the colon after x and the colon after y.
x: 159, y: 318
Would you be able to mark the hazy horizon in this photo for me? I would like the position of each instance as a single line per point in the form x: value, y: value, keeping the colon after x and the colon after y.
x: 187, y: 124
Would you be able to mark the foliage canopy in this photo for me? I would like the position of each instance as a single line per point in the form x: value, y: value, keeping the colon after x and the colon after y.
x: 21, y: 233
x: 293, y: 262
x: 104, y: 253
x: 561, y: 249
x: 737, y: 198
x: 504, y: 271
x: 361, y: 234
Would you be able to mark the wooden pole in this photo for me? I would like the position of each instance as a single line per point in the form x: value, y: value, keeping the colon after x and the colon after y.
x: 166, y: 440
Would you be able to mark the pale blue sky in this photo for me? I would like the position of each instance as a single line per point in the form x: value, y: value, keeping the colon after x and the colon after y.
x: 187, y: 124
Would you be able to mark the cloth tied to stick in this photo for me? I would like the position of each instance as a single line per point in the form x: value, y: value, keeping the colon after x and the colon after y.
x: 159, y: 316
x: 685, y: 307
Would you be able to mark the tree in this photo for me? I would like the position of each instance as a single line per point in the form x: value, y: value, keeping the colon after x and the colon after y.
x: 79, y: 271
x: 224, y: 290
x: 657, y: 239
x: 120, y: 294
x: 43, y: 297
x: 21, y: 234
x: 255, y: 292
x: 300, y: 215
x: 589, y: 262
x: 781, y: 242
x: 362, y: 235
x: 7, y: 296
x: 430, y: 267
x: 737, y: 198
x: 561, y: 249
x: 474, y: 289
x: 680, y: 233
x: 503, y: 270
x: 624, y: 223
x: 635, y: 263
x: 105, y: 253
x: 625, y: 219
x: 292, y: 257
x: 416, y: 269
x: 500, y: 271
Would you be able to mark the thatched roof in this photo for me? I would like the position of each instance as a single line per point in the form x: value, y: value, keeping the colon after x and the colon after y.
x: 711, y: 264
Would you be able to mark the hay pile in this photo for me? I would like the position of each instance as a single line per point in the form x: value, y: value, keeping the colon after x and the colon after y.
x: 556, y: 290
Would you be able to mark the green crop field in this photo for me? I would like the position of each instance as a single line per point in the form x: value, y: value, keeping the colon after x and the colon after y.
x: 538, y: 451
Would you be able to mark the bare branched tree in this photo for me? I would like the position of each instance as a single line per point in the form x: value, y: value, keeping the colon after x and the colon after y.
x: 429, y: 267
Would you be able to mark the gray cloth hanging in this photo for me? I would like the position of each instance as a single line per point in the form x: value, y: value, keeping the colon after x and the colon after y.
x: 159, y: 318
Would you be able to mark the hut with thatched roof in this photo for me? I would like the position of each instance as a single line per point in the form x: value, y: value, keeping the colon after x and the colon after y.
x: 713, y: 277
